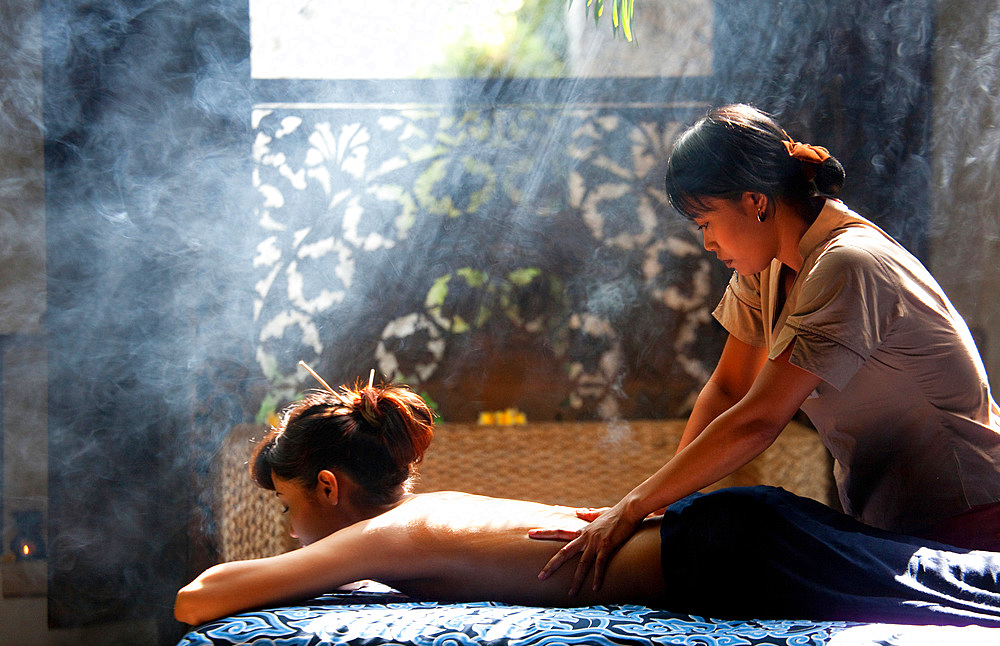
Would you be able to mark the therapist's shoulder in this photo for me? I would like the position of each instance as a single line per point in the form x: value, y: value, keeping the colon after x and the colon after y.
x: 857, y: 254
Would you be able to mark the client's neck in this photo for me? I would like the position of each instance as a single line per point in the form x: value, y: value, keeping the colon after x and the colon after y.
x: 356, y: 505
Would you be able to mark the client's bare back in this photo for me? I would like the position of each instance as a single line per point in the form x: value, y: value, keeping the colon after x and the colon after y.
x: 475, y: 547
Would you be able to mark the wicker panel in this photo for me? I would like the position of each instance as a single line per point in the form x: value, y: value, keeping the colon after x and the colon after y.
x: 249, y: 519
x: 596, y: 463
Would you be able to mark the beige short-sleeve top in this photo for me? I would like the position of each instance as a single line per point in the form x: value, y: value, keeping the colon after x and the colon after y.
x: 904, y: 406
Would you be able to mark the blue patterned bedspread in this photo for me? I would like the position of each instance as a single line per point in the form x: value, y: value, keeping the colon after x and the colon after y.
x: 376, y: 619
x: 370, y: 619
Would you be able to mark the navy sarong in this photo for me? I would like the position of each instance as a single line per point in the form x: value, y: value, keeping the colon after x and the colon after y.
x: 764, y: 553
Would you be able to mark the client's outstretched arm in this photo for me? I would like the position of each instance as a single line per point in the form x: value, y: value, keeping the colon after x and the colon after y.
x: 338, y: 559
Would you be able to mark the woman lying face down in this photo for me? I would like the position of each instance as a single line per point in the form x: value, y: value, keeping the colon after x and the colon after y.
x: 341, y: 463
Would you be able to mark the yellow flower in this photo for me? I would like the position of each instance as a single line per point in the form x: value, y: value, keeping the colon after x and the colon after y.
x: 508, y: 417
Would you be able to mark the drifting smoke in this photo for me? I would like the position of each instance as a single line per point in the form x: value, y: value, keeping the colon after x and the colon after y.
x: 161, y: 154
x: 966, y: 228
x: 146, y: 109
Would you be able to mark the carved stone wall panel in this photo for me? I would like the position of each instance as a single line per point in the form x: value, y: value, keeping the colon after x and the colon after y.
x: 516, y: 256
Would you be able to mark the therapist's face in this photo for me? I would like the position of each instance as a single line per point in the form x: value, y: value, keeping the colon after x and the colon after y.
x: 731, y: 230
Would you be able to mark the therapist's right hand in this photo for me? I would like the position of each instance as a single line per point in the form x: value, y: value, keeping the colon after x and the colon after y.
x: 596, y: 544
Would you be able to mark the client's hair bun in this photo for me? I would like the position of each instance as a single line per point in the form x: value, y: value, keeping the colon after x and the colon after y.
x: 375, y: 434
x: 393, y: 417
x: 368, y: 406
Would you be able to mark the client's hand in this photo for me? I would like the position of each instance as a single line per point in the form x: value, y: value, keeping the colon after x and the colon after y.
x: 596, y: 543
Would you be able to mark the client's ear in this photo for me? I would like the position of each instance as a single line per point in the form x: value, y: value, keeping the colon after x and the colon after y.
x: 327, y: 487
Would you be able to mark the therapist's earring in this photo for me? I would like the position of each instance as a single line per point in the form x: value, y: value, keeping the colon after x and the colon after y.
x: 761, y: 215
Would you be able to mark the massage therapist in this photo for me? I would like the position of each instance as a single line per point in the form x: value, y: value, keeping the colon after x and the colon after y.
x: 827, y: 313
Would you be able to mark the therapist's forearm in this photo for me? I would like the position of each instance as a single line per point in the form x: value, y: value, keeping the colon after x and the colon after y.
x: 712, y: 401
x: 734, y: 437
x: 724, y: 446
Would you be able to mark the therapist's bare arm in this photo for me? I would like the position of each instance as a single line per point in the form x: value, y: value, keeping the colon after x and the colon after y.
x: 733, y: 438
x: 732, y: 378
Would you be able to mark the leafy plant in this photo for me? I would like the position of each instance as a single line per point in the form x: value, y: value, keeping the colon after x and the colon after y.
x: 621, y: 15
x: 533, y: 44
x: 533, y: 41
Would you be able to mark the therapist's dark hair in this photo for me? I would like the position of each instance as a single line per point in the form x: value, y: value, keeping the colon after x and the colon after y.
x: 738, y: 148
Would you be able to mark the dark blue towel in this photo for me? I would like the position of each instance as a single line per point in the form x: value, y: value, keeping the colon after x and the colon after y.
x: 764, y: 553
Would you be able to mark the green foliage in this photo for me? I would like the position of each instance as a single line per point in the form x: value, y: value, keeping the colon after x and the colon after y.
x: 534, y: 41
x: 621, y: 15
x: 534, y: 45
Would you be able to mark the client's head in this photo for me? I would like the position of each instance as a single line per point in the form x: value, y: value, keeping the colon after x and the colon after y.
x: 373, y: 436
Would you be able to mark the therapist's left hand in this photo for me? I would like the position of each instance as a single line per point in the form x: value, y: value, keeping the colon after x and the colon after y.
x: 596, y: 544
